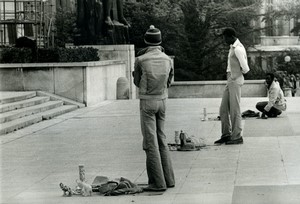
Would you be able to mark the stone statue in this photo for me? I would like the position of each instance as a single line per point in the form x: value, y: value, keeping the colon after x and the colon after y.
x: 112, y: 6
x: 89, y: 22
x: 116, y: 26
x: 101, y: 22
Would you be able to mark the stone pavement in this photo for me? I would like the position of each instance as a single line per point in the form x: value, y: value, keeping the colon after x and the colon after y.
x: 107, y: 140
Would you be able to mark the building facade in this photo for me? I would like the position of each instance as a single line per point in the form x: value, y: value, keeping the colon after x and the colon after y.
x: 31, y: 18
x: 275, y: 37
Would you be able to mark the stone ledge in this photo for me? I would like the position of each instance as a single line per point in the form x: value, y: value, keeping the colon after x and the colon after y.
x: 110, y: 47
x: 214, y: 89
x: 61, y: 64
x: 191, y: 83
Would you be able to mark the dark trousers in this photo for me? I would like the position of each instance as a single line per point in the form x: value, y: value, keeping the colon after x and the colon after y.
x: 274, y: 112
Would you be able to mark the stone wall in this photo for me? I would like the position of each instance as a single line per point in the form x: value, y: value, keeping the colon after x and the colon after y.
x: 84, y: 82
x: 279, y: 40
x: 214, y: 89
x: 119, y: 52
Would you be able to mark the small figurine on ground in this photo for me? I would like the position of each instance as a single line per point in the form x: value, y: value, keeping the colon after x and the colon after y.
x: 67, y: 190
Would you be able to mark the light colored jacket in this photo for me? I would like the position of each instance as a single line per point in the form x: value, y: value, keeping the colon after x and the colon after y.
x: 153, y: 73
x: 237, y: 64
x: 276, y: 97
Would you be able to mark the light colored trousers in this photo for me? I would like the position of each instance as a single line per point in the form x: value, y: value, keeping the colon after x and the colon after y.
x: 230, y: 111
x: 158, y: 161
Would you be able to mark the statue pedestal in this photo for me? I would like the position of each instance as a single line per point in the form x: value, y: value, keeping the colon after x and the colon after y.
x: 287, y: 92
x: 119, y: 52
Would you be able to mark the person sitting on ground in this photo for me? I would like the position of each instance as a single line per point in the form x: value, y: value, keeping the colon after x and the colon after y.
x: 276, y: 103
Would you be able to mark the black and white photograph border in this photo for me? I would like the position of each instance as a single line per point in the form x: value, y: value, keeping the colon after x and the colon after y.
x: 75, y: 111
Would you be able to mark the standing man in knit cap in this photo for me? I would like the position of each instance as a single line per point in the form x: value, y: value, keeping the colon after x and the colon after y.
x: 153, y: 72
x: 230, y: 111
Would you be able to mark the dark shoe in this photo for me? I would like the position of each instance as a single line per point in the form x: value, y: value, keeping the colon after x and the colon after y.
x: 150, y: 188
x: 171, y: 186
x: 222, y: 140
x: 237, y: 141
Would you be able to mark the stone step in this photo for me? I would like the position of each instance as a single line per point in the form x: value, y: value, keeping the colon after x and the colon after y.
x: 35, y: 118
x: 19, y: 123
x: 54, y: 97
x: 57, y: 111
x: 23, y: 104
x: 10, y: 97
x: 12, y: 115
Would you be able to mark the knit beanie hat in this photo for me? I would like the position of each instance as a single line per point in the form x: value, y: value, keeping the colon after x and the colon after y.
x: 152, y: 36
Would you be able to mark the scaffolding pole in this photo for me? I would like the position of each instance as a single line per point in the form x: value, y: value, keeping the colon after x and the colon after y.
x: 14, y: 18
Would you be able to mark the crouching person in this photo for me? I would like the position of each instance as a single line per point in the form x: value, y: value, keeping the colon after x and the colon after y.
x: 276, y: 103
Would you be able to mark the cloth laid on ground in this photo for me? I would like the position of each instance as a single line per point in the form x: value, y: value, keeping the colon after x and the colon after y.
x: 188, y: 147
x: 192, y: 144
x: 115, y: 187
x: 98, y: 181
x: 104, y: 186
x: 250, y: 113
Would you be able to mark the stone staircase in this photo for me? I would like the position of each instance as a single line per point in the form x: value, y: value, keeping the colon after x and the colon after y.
x: 21, y: 109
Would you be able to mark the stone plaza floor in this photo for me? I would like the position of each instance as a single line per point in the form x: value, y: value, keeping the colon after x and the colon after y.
x: 107, y: 140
